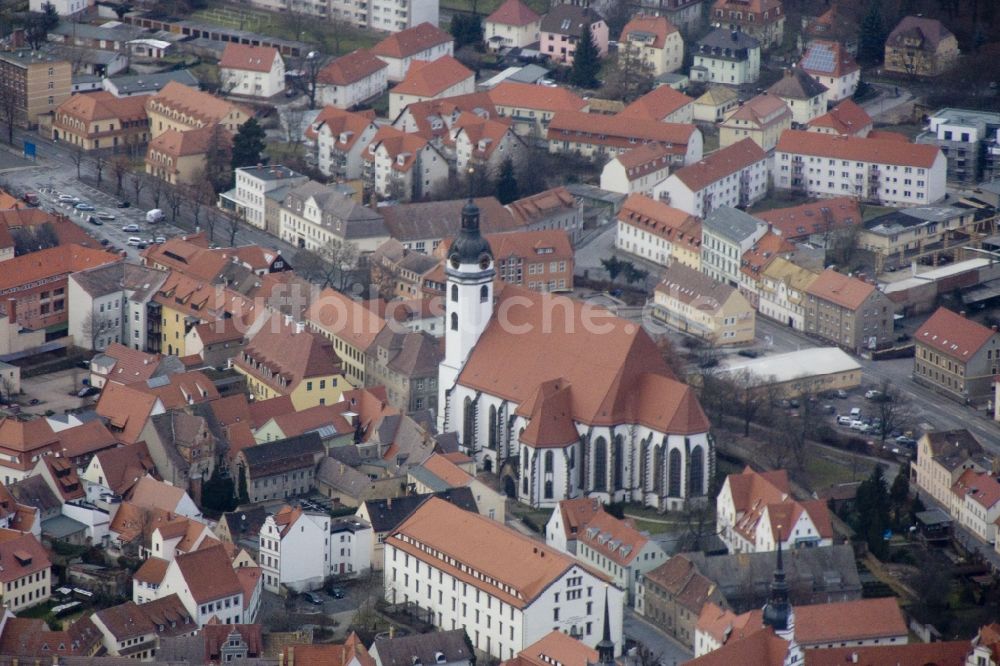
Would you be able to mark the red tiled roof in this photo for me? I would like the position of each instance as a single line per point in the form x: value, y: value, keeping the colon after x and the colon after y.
x: 411, y: 41
x: 843, y: 290
x: 658, y: 218
x: 813, y: 218
x: 182, y: 144
x: 351, y: 68
x: 763, y: 111
x: 555, y: 647
x: 721, y: 163
x: 51, y: 262
x: 249, y: 58
x: 953, y: 335
x: 21, y: 555
x: 855, y: 149
x: 102, y: 105
x: 938, y: 653
x: 396, y: 143
x: 929, y: 30
x: 863, y: 619
x: 658, y: 26
x: 339, y: 121
x: 513, y: 12
x: 645, y: 159
x: 847, y: 118
x: 427, y: 79
x: 612, y: 538
x: 618, y: 131
x: 768, y: 248
x: 760, y: 648
x: 538, y: 97
x: 209, y: 574
x: 980, y: 486
x: 657, y: 104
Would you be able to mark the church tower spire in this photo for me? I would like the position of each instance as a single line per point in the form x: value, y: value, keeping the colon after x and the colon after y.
x: 777, y: 611
x: 606, y: 647
x: 468, y: 308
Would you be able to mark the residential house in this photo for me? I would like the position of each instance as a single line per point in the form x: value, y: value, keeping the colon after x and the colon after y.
x: 341, y: 138
x: 767, y: 249
x: 736, y: 175
x: 512, y: 25
x: 483, y: 145
x: 284, y: 537
x: 715, y: 104
x: 619, y: 551
x: 698, y: 305
x: 314, y: 215
x: 180, y: 108
x: 79, y: 121
x: 135, y: 630
x: 956, y: 356
x: 110, y: 305
x: 674, y: 594
x: 562, y: 28
x: 834, y: 67
x: 822, y: 218
x: 656, y: 41
x: 922, y: 233
x: 251, y: 71
x: 448, y: 648
x: 726, y: 234
x: 968, y: 140
x: 283, y: 358
x: 181, y: 157
x: 30, y: 639
x: 437, y: 526
x: 658, y: 233
x: 256, y: 187
x: 351, y: 327
x: 845, y: 119
x: 726, y: 56
x: 351, y: 653
x: 782, y: 294
x: 405, y: 274
x: 755, y: 512
x: 279, y: 469
x: 62, y: 7
x: 26, y: 577
x: 427, y: 80
x: 848, y: 312
x: 920, y: 46
x: 405, y: 363
x: 420, y: 42
x: 434, y: 119
x: 208, y: 586
x: 599, y: 137
x: 532, y: 106
x: 976, y: 504
x: 637, y: 171
x: 35, y: 84
x: 762, y: 118
x: 441, y: 472
x: 568, y: 519
x: 403, y: 166
x: 803, y: 94
x: 942, y: 458
x: 664, y: 104
x: 555, y: 208
x: 882, y: 171
x: 762, y: 19
x: 116, y: 470
x: 352, y: 79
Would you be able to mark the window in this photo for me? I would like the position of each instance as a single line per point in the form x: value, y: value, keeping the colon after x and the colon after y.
x: 454, y: 293
x: 454, y: 321
x: 484, y: 294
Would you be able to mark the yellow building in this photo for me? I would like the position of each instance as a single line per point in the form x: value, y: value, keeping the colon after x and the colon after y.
x: 920, y: 46
x: 186, y: 302
x: 694, y: 303
x: 794, y: 374
x: 181, y: 157
x: 38, y: 84
x: 181, y: 108
x: 285, y: 359
x: 350, y: 326
x: 762, y: 119
x: 99, y: 120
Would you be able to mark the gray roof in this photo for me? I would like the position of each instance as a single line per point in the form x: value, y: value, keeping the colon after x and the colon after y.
x: 428, y: 478
x: 245, y: 522
x: 418, y: 262
x: 529, y: 74
x: 387, y: 514
x: 122, y: 32
x: 270, y: 172
x: 411, y: 354
x: 103, y: 280
x: 60, y: 527
x: 797, y: 84
x: 726, y: 44
x: 952, y: 448
x: 34, y: 491
x: 283, y: 455
x: 423, y: 648
x: 730, y: 223
x: 905, y: 218
x: 745, y: 578
x: 442, y: 219
x: 151, y: 83
x: 568, y: 20
x: 341, y: 214
x: 343, y: 478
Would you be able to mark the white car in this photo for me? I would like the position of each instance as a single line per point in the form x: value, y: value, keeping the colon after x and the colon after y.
x: 134, y: 240
x: 105, y: 215
x: 871, y: 394
x: 844, y: 420
x: 131, y: 228
x: 860, y: 426
x: 68, y: 198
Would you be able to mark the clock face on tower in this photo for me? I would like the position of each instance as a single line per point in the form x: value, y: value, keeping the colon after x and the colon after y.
x: 484, y: 262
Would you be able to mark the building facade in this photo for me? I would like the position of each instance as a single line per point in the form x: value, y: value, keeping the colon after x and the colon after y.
x: 848, y: 312
x: 957, y: 357
x: 37, y: 83
x: 726, y: 235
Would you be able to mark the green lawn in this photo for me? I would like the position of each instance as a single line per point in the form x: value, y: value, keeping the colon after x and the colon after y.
x: 779, y: 199
x: 825, y: 468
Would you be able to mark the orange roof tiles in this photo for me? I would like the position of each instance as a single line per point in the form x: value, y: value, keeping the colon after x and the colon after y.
x: 847, y: 118
x: 51, y: 262
x: 576, y: 513
x: 484, y: 135
x: 763, y: 111
x: 980, y: 486
x: 768, y: 248
x: 431, y: 116
x: 513, y: 12
x: 843, y: 290
x: 396, y: 144
x: 26, y: 436
x: 126, y: 409
x: 428, y: 79
x: 447, y: 471
x: 248, y: 58
x: 555, y: 647
x: 618, y: 131
x: 102, y: 105
x: 760, y: 648
x: 410, y: 42
x: 280, y: 351
x: 21, y: 554
x: 657, y: 26
x: 953, y: 335
x: 843, y: 62
x: 209, y: 574
x: 208, y: 109
x: 721, y: 163
x: 531, y: 96
x: 863, y: 619
x: 658, y: 218
x: 527, y: 568
x: 351, y: 68
x: 152, y: 571
x: 820, y: 217
x: 857, y: 149
x: 550, y: 410
x: 343, y: 317
x: 938, y: 653
x: 183, y: 144
x: 615, y: 539
x: 149, y: 493
x: 657, y: 104
x: 644, y: 159
x: 328, y: 655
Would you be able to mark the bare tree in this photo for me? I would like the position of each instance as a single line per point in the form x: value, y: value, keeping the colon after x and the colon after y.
x: 343, y: 256
x: 892, y: 408
x: 100, y: 161
x: 291, y: 124
x: 9, y: 109
x: 175, y: 199
x: 76, y: 156
x: 156, y: 189
x: 6, y: 387
x: 89, y: 330
x: 310, y: 66
x: 631, y: 76
x: 234, y: 222
x: 748, y: 396
x: 138, y: 184
x: 211, y: 220
x: 119, y: 167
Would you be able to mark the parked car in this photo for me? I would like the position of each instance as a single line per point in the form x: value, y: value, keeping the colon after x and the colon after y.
x: 159, y: 240
x: 131, y: 228
x: 829, y: 409
x: 856, y: 412
x: 94, y: 220
x: 844, y: 420
x: 68, y: 198
x: 872, y: 394
x: 903, y: 440
x: 105, y: 215
x: 83, y: 205
x: 123, y: 204
x: 337, y: 592
x: 860, y: 426
x: 842, y: 394
x: 749, y: 353
x: 154, y: 216
x: 313, y: 598
x: 134, y: 241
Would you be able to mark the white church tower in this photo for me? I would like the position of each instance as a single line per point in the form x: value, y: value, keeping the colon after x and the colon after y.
x: 469, y: 296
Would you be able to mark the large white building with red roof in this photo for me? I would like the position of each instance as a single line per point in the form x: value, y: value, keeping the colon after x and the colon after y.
x: 251, y: 71
x: 352, y: 79
x: 418, y: 41
x: 341, y: 139
x: 886, y: 172
x: 756, y: 511
x: 582, y: 400
x: 434, y: 79
x: 733, y: 176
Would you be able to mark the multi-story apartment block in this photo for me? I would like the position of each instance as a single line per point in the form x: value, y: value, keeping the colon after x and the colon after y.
x: 111, y: 303
x: 901, y: 237
x: 733, y: 176
x: 943, y: 456
x: 692, y: 302
x: 726, y: 234
x: 181, y: 157
x: 920, y: 46
x: 484, y: 145
x: 36, y: 82
x: 664, y: 104
x: 726, y: 56
x: 762, y: 119
x: 313, y: 215
x: 255, y: 186
x: 513, y: 24
x: 251, y: 71
x: 968, y: 140
x: 420, y: 40
x: 803, y: 94
x: 285, y: 539
x: 598, y: 137
x: 656, y: 41
x: 976, y: 503
x: 181, y: 108
x: 351, y: 79
x: 619, y: 551
x: 504, y: 602
x: 532, y: 106
x: 437, y: 79
x: 562, y: 28
x: 350, y: 326
x: 26, y: 576
x: 883, y: 171
x: 848, y: 312
x: 658, y: 233
x: 402, y: 166
x: 99, y: 120
x: 637, y: 171
x: 341, y: 139
x: 957, y: 356
x: 762, y: 19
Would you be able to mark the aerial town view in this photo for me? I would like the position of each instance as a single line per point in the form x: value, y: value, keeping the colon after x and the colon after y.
x: 500, y: 332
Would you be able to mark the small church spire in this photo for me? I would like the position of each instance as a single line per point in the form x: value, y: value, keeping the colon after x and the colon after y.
x: 777, y: 610
x: 606, y: 647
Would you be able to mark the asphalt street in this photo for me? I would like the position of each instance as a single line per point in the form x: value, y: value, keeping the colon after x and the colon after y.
x: 640, y: 630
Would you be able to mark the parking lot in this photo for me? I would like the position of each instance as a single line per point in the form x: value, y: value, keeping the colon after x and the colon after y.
x: 52, y: 391
x: 856, y: 413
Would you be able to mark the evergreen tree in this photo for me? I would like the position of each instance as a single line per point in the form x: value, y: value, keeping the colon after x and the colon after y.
x: 241, y: 489
x: 871, y: 42
x: 466, y: 29
x: 586, y: 61
x: 872, y: 509
x: 248, y: 144
x: 507, y: 183
x: 50, y: 17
